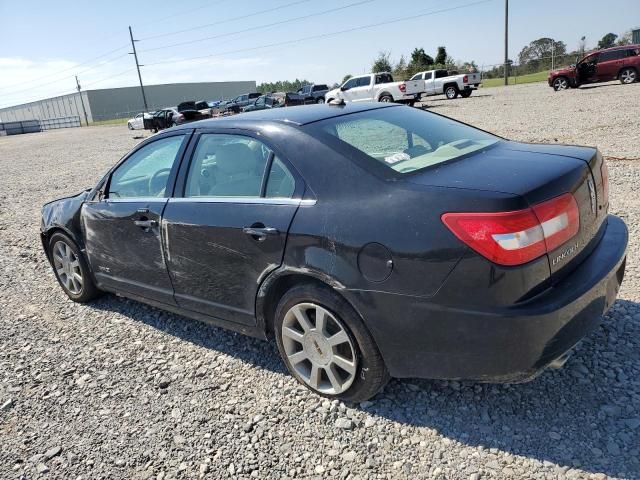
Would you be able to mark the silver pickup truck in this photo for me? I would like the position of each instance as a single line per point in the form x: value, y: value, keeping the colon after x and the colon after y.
x: 439, y: 82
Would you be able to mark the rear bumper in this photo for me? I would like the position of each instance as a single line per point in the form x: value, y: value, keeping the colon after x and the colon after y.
x: 419, y: 338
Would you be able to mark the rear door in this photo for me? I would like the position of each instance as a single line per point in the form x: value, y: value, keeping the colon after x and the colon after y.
x: 227, y: 227
x: 124, y: 240
x: 609, y: 64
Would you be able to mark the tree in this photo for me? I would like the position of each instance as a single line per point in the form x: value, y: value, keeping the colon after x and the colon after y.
x: 345, y: 78
x: 400, y: 70
x: 282, y: 86
x: 608, y: 41
x: 441, y: 56
x: 536, y: 56
x: 419, y: 57
x: 625, y: 39
x: 382, y: 63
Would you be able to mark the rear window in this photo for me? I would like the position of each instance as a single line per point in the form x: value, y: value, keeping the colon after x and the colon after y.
x: 403, y: 139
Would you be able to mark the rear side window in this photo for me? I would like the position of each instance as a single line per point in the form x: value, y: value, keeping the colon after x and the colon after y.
x: 280, y: 183
x: 611, y: 55
x: 401, y: 139
x: 441, y: 73
x: 383, y: 78
x: 317, y: 88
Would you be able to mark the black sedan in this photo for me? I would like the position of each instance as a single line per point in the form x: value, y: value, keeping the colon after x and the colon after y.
x: 370, y: 240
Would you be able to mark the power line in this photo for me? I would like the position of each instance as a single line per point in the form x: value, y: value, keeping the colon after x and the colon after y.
x: 242, y: 17
x: 182, y: 12
x: 259, y: 27
x: 325, y: 35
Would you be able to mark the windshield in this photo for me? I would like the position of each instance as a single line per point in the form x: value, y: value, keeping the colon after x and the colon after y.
x: 404, y: 139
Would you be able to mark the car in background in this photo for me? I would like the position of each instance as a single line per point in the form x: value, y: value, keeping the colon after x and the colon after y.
x: 274, y: 100
x: 164, y: 118
x: 439, y: 82
x: 313, y: 93
x: 137, y: 122
x: 617, y: 63
x: 371, y: 240
x: 237, y: 104
x: 372, y: 87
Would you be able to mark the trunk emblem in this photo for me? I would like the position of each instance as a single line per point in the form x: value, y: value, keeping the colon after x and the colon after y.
x: 592, y: 194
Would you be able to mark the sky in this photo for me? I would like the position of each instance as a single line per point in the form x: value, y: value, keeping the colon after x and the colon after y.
x: 43, y: 44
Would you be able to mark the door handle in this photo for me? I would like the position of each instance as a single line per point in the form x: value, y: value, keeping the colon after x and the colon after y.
x: 145, y: 223
x: 260, y: 233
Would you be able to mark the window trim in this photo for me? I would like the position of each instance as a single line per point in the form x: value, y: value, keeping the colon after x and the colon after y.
x: 188, y: 158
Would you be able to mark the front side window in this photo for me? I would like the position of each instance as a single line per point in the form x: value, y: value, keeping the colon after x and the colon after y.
x: 146, y: 172
x: 417, y: 76
x: 401, y: 139
x: 352, y: 82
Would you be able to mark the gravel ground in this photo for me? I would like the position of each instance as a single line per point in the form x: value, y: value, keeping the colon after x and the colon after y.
x: 115, y: 389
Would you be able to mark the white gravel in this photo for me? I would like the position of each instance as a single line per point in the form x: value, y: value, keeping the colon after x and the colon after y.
x: 115, y: 389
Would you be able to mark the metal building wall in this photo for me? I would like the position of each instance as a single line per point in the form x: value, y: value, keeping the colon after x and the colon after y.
x: 55, y: 107
x: 123, y: 102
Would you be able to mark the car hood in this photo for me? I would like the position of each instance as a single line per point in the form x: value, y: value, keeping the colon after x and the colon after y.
x: 335, y: 91
x: 560, y: 71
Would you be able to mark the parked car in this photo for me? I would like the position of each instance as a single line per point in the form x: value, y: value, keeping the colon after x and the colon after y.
x: 439, y: 82
x: 274, y: 100
x: 313, y: 93
x: 137, y: 122
x: 617, y: 63
x: 164, y: 118
x: 432, y: 249
x: 237, y: 104
x: 193, y: 111
x: 372, y: 87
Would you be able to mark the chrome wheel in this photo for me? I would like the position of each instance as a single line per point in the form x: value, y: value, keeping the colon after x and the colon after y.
x: 561, y: 84
x: 385, y: 99
x: 319, y: 349
x: 67, y: 266
x: 628, y: 76
x: 451, y: 93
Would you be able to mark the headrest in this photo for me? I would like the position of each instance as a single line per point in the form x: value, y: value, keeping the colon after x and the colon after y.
x: 234, y: 158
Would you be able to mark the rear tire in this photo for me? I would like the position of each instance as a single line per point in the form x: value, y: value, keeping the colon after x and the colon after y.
x: 628, y: 76
x: 560, y: 83
x: 338, y: 359
x: 466, y: 93
x: 451, y: 92
x: 386, y: 98
x: 70, y: 269
x: 320, y: 101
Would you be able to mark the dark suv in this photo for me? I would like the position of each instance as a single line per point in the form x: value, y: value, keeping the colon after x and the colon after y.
x: 237, y: 104
x: 618, y: 63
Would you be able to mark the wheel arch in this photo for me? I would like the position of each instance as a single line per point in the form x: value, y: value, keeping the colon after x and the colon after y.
x: 627, y: 67
x: 450, y: 84
x: 45, y: 237
x: 383, y: 93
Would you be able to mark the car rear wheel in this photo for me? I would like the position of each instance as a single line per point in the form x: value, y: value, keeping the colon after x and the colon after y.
x: 386, y: 98
x: 326, y: 347
x: 560, y: 83
x: 320, y: 100
x: 466, y: 93
x: 628, y: 75
x: 70, y: 269
x: 451, y: 92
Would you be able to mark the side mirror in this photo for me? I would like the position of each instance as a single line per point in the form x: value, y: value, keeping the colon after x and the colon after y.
x: 343, y: 88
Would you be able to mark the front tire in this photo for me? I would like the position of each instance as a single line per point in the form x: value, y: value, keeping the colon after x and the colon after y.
x: 451, y: 92
x: 560, y: 83
x: 130, y: 126
x: 628, y: 76
x: 70, y: 269
x: 325, y: 345
x: 320, y: 101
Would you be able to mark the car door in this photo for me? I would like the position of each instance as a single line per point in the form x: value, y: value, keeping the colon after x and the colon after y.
x: 429, y: 86
x: 124, y: 240
x: 348, y: 91
x: 227, y: 227
x: 587, y: 69
x: 609, y: 64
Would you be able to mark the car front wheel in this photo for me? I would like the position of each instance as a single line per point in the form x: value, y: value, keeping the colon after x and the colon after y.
x: 326, y: 347
x: 560, y: 83
x: 130, y: 126
x: 70, y: 269
x: 628, y: 75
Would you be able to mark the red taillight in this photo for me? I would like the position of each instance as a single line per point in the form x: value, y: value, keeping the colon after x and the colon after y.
x: 402, y: 87
x: 465, y: 79
x: 514, y: 238
x: 604, y: 172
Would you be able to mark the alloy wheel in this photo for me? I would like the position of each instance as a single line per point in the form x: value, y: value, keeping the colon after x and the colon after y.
x: 319, y: 349
x: 628, y: 76
x: 67, y: 266
x: 451, y: 93
x: 562, y: 84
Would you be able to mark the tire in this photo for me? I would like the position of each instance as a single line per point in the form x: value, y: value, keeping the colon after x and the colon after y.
x: 67, y: 263
x: 411, y: 103
x: 466, y: 93
x: 628, y: 76
x: 451, y: 92
x: 130, y: 126
x: 561, y: 83
x: 356, y: 348
x: 320, y: 100
x: 330, y: 100
x: 386, y: 98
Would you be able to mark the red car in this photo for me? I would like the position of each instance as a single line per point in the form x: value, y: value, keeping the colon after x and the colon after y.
x: 618, y: 63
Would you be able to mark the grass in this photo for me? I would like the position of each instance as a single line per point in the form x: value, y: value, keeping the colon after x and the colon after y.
x: 530, y: 78
x: 115, y: 121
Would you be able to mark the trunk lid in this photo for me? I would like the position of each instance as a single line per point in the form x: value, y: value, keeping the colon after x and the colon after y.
x: 537, y: 173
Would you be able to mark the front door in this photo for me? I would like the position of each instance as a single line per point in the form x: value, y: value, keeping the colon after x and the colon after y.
x: 229, y: 229
x: 587, y: 69
x: 123, y: 236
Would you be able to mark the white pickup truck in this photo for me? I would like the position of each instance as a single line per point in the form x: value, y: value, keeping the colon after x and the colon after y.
x: 438, y: 82
x: 374, y: 87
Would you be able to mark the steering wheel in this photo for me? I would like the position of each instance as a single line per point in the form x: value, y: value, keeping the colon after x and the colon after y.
x: 152, y: 190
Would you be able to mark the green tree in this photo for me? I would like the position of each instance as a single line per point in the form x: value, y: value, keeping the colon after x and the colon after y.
x: 536, y: 56
x: 441, y: 56
x: 608, y: 41
x: 625, y: 39
x: 400, y: 70
x: 382, y: 63
x: 345, y: 78
x: 419, y: 61
x: 282, y: 86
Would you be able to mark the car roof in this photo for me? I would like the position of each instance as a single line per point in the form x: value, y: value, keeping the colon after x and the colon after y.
x: 298, y: 115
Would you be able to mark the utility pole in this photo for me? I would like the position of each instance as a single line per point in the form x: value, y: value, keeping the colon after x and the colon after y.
x: 506, y: 42
x: 135, y: 55
x: 86, y: 119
